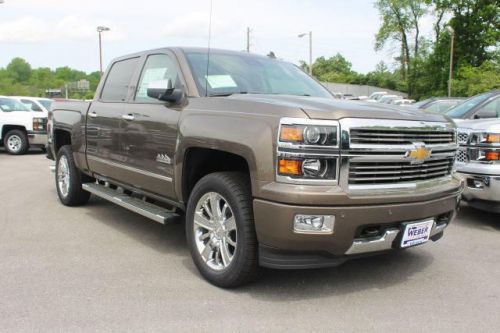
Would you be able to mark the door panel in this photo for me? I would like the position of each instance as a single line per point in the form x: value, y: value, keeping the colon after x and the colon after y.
x: 148, y: 146
x: 103, y: 135
x: 104, y: 119
x: 149, y: 131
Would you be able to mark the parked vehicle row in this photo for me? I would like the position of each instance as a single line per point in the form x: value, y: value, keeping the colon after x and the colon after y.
x: 22, y: 127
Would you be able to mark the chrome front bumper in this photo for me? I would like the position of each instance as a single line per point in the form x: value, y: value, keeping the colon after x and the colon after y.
x: 36, y: 139
x: 481, y: 191
x: 385, y: 242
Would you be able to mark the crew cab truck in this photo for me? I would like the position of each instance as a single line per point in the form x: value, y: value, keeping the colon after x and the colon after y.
x: 478, y: 162
x: 267, y: 167
x: 20, y: 128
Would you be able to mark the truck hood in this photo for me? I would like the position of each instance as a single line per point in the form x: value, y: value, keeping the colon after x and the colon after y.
x: 332, y: 109
x: 491, y: 125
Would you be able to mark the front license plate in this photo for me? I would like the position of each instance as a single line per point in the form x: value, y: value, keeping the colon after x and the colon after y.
x: 416, y: 233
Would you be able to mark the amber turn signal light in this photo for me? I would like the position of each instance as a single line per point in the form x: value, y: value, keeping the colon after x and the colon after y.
x: 290, y: 167
x: 492, y: 156
x: 291, y: 134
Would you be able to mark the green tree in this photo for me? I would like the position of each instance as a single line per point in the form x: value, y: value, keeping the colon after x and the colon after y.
x: 334, y: 69
x: 19, y: 70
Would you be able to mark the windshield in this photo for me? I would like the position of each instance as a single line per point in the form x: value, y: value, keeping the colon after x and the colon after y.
x: 9, y: 105
x: 232, y: 73
x: 461, y: 110
x: 45, y: 102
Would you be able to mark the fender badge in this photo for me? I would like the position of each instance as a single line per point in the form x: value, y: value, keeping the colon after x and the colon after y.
x: 163, y: 158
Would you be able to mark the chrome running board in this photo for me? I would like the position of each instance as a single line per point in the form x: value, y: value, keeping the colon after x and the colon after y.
x: 146, y: 209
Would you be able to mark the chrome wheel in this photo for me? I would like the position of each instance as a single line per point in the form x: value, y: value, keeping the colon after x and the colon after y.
x: 14, y: 143
x: 63, y: 177
x: 215, y: 232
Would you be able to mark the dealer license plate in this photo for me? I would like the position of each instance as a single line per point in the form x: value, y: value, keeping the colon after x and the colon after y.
x: 416, y: 233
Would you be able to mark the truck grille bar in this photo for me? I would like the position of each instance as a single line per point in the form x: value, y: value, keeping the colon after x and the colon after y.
x: 393, y: 172
x: 379, y: 136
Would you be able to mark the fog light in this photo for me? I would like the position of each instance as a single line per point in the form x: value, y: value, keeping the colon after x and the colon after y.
x: 313, y: 224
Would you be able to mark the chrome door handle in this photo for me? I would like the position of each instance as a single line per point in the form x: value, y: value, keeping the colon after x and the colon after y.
x: 93, y: 115
x: 128, y: 117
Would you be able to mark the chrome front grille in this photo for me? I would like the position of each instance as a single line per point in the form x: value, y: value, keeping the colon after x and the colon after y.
x: 462, y: 156
x: 389, y: 154
x: 400, y: 137
x: 395, y: 172
x: 463, y: 137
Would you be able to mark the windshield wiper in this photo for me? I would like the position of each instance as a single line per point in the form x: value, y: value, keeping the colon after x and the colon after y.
x: 225, y: 94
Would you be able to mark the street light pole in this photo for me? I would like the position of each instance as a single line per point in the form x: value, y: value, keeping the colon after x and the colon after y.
x: 450, y: 79
x: 310, y: 49
x: 101, y: 29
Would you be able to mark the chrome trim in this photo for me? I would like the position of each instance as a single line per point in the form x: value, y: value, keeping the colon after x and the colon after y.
x: 129, y: 168
x: 391, y: 153
x: 385, y: 241
x: 393, y: 125
x: 382, y: 243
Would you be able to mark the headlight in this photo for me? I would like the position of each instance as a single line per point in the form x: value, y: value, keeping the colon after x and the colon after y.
x: 308, y: 151
x: 310, y: 135
x: 485, y: 147
x: 486, y: 138
x: 308, y: 168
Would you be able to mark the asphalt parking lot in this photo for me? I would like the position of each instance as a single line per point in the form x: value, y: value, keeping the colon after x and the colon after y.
x: 103, y: 268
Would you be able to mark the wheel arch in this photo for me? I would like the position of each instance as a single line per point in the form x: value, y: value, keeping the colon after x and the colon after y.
x: 198, y: 162
x: 7, y: 128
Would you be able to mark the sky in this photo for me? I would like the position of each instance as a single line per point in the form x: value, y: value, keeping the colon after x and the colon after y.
x: 54, y: 33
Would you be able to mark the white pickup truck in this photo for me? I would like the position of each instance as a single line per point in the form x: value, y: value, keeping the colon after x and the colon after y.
x: 478, y: 162
x: 21, y: 128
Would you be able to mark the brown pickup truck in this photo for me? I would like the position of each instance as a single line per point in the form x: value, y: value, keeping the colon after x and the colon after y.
x: 267, y: 167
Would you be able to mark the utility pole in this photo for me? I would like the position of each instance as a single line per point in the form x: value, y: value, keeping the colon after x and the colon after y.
x: 100, y: 29
x: 248, y: 39
x: 450, y: 79
x: 310, y: 50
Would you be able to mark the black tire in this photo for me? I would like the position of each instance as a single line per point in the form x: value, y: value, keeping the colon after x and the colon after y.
x: 24, y: 143
x: 75, y: 195
x: 234, y: 187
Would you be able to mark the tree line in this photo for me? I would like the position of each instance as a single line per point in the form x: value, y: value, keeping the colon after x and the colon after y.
x: 19, y: 78
x: 421, y: 63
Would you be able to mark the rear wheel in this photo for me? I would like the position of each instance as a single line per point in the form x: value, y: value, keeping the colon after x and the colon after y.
x: 69, y: 179
x: 16, y: 142
x: 220, y: 229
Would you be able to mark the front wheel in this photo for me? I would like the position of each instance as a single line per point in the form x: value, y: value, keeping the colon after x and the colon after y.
x: 69, y: 179
x: 220, y: 229
x: 16, y: 142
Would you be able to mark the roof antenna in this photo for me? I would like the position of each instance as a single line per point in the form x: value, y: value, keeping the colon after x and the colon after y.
x: 209, y: 43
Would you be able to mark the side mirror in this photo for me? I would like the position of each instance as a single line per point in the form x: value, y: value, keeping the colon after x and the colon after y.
x: 164, y: 90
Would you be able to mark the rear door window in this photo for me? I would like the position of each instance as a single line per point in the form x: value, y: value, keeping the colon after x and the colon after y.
x: 31, y: 105
x: 118, y: 81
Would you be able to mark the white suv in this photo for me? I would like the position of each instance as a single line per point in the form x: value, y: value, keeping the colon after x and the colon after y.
x: 20, y: 128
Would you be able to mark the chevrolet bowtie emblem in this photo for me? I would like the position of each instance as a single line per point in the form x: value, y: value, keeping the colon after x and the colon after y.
x: 419, y: 154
